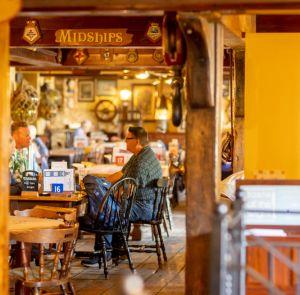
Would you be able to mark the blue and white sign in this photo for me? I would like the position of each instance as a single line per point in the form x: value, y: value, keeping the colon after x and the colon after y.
x: 58, y: 181
x: 57, y: 187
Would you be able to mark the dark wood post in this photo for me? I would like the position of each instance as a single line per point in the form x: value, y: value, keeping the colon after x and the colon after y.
x: 238, y: 152
x: 204, y: 69
x: 8, y: 10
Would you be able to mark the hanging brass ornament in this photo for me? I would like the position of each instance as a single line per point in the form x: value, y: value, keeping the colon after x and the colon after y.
x: 24, y: 104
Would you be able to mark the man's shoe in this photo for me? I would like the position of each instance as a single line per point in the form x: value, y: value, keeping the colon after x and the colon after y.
x: 93, y: 261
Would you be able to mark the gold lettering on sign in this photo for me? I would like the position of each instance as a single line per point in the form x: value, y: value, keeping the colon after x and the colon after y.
x: 93, y: 37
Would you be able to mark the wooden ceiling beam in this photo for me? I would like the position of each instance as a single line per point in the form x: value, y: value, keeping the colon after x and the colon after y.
x: 278, y: 23
x: 173, y: 5
x: 42, y: 58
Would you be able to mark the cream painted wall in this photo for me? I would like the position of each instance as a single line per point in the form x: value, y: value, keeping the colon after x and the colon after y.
x: 85, y: 110
x: 272, y: 104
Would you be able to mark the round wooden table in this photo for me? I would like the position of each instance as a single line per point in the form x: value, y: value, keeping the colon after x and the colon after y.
x: 18, y: 224
x: 22, y: 223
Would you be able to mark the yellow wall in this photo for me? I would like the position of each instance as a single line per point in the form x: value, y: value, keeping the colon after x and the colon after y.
x: 272, y: 104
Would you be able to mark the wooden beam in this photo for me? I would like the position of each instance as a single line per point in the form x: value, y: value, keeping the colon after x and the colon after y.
x: 236, y: 27
x: 118, y: 58
x: 239, y: 116
x: 134, y: 31
x: 171, y: 5
x: 40, y: 58
x: 199, y: 89
x: 8, y: 10
x: 278, y: 23
x: 203, y: 162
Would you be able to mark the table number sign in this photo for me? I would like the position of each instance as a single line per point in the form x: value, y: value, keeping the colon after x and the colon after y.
x: 58, y: 181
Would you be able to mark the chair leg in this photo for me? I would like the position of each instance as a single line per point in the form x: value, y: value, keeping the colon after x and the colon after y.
x: 104, y: 256
x: 63, y: 289
x: 157, y: 245
x: 169, y: 213
x: 125, y: 244
x: 36, y: 291
x: 129, y: 229
x: 71, y: 288
x: 162, y: 244
x: 165, y: 225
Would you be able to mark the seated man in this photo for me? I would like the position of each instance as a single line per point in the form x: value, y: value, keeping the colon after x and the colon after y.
x: 144, y: 167
x: 19, y: 156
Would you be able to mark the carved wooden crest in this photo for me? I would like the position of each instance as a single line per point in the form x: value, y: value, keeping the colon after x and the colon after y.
x: 132, y: 56
x: 154, y: 32
x: 158, y: 56
x: 31, y: 32
x: 80, y: 56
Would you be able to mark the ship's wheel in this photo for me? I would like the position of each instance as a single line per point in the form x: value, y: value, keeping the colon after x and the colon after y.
x: 106, y: 110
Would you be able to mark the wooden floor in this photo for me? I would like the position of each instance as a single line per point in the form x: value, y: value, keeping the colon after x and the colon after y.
x: 168, y: 280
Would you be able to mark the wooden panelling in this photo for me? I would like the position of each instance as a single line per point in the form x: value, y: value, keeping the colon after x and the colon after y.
x: 212, y: 5
x: 278, y: 23
x: 137, y: 26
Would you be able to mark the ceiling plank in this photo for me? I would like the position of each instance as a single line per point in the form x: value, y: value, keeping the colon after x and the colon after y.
x: 175, y: 5
x: 278, y: 23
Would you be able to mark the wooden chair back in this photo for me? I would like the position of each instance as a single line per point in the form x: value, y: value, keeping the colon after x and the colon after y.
x: 67, y: 214
x: 160, y: 195
x: 49, y: 273
x: 115, y: 208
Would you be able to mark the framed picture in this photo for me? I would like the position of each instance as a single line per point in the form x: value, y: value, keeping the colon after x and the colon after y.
x: 144, y: 100
x: 86, y: 91
x: 106, y: 87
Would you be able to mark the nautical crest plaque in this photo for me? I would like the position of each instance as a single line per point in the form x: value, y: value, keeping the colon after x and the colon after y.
x: 80, y: 56
x: 31, y: 32
x: 154, y: 32
x: 132, y: 56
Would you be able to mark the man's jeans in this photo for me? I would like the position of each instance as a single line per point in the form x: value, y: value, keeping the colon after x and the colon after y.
x: 141, y: 210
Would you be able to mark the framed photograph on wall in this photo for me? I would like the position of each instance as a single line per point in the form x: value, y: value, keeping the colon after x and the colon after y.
x: 86, y: 91
x: 106, y: 87
x: 144, y: 100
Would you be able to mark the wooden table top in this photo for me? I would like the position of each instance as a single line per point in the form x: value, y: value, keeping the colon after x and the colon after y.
x: 21, y: 223
x: 52, y: 198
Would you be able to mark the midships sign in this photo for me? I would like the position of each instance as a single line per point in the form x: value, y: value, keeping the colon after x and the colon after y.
x: 93, y: 37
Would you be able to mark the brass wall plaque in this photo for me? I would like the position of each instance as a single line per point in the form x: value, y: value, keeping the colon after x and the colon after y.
x: 31, y: 32
x: 93, y: 37
x: 154, y: 32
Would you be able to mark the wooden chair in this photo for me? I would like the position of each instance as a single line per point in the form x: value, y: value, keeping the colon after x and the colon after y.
x: 155, y: 222
x: 49, y: 273
x: 69, y: 215
x: 167, y: 210
x: 119, y: 196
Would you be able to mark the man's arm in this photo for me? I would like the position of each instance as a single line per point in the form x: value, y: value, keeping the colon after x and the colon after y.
x: 115, y: 177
